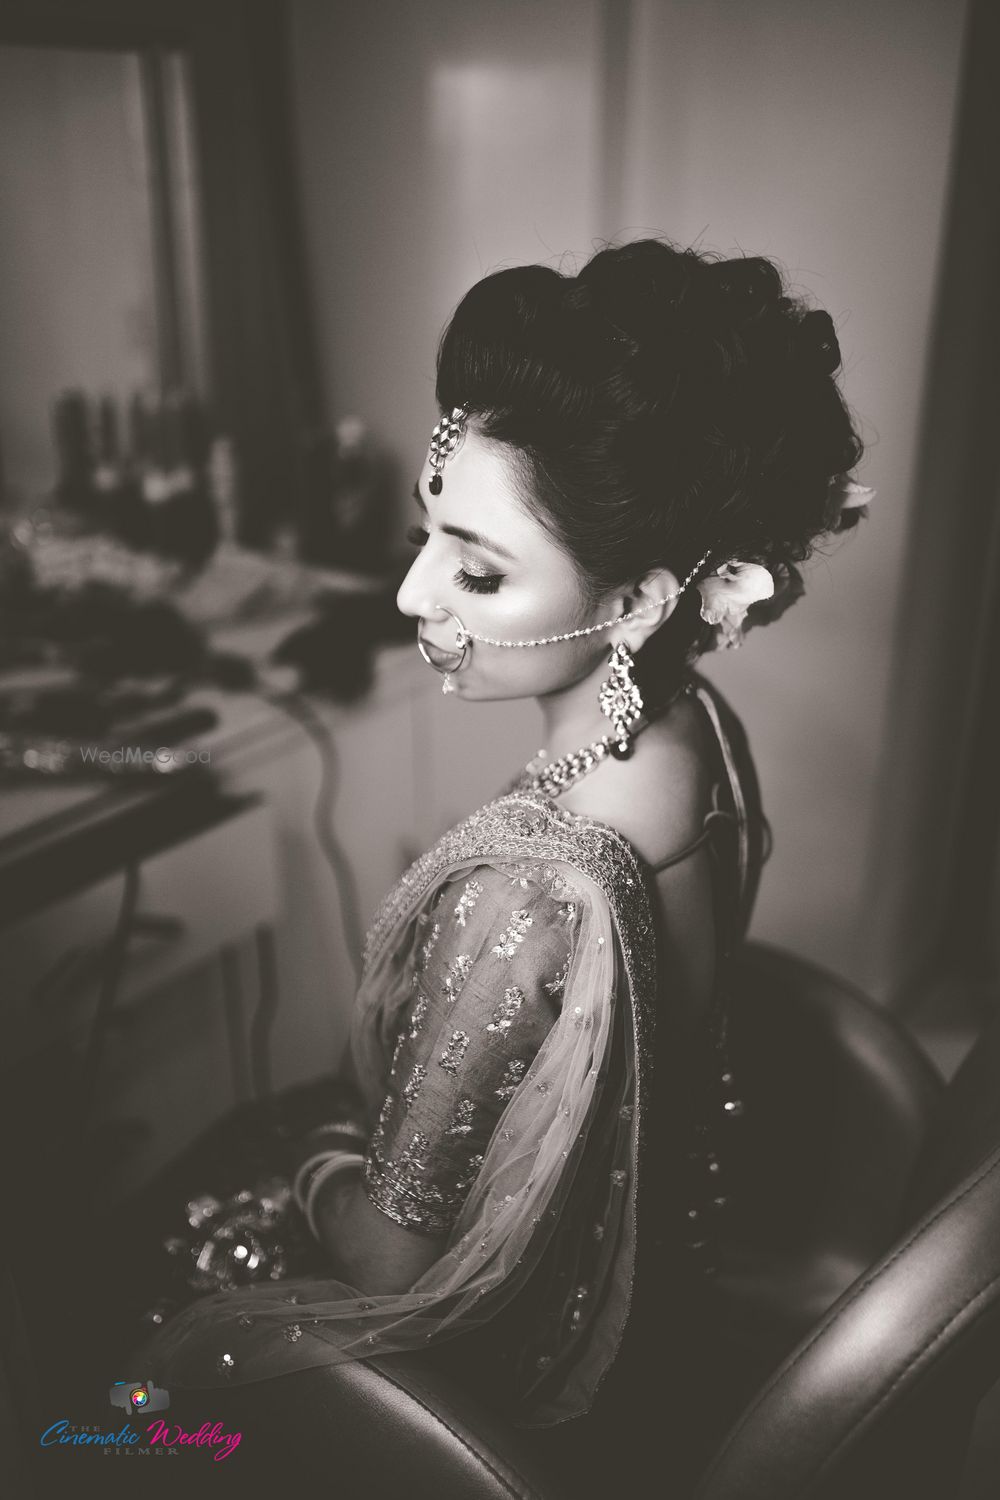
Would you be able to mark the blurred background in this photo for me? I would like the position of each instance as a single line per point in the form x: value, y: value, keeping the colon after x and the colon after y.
x: 230, y: 237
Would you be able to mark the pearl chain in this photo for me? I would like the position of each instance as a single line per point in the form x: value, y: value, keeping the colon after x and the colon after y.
x: 465, y: 635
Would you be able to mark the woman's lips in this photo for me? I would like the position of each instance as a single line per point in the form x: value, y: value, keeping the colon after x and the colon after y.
x: 445, y: 658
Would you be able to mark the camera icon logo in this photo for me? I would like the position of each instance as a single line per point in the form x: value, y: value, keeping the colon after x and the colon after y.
x: 138, y: 1396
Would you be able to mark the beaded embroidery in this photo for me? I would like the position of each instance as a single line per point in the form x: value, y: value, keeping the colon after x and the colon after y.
x: 503, y: 1016
x: 458, y: 972
x: 461, y: 1120
x: 513, y: 935
x: 470, y: 1174
x: 453, y: 1053
x: 395, y: 1187
x: 413, y: 1083
x: 512, y: 1075
x: 558, y: 984
x: 428, y: 947
x: 396, y: 1051
x: 417, y: 1018
x: 467, y: 900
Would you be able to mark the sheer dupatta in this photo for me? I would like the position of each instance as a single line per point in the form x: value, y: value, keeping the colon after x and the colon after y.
x: 556, y: 1198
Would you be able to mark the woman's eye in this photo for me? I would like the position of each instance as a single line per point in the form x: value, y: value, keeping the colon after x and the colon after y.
x: 478, y: 583
x: 473, y: 583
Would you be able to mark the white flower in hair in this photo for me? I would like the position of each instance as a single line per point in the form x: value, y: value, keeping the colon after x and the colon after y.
x: 851, y: 495
x: 728, y: 593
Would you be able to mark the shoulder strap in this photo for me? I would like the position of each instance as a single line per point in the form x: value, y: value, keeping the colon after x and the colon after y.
x: 704, y: 693
x: 742, y: 775
x: 715, y: 812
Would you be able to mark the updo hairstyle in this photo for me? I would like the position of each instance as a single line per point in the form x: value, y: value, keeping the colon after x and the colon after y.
x: 659, y: 403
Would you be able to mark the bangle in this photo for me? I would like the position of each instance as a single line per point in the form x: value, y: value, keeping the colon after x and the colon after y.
x: 353, y: 1129
x: 303, y: 1177
x: 341, y: 1161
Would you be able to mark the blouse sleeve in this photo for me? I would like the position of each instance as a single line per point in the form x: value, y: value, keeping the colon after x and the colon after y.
x: 491, y: 954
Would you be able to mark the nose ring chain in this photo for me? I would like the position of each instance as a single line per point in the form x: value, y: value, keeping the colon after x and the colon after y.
x: 448, y: 662
x: 570, y: 635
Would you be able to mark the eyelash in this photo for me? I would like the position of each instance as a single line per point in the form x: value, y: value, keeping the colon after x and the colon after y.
x: 478, y: 583
x: 473, y: 583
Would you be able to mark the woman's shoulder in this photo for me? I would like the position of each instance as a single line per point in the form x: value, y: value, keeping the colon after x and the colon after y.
x: 657, y: 799
x: 519, y: 842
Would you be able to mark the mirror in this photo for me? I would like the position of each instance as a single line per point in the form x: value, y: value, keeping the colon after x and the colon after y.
x: 104, y: 366
x: 151, y: 263
x: 167, y: 464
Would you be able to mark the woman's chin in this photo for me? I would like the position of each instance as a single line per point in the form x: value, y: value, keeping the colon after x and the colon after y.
x: 470, y: 691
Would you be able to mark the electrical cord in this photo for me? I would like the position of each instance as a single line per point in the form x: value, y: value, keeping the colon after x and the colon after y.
x: 298, y: 707
x: 112, y: 966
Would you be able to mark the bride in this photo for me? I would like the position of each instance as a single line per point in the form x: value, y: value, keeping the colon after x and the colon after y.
x: 630, y: 464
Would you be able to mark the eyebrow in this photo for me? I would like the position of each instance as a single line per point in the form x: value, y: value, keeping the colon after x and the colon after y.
x: 474, y: 538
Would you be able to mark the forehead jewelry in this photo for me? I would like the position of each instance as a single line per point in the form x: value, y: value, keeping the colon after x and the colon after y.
x: 445, y: 442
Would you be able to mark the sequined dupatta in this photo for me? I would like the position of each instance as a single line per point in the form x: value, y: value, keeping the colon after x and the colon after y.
x: 550, y: 1220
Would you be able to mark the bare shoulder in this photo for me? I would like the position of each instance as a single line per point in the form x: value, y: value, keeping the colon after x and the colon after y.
x: 658, y: 798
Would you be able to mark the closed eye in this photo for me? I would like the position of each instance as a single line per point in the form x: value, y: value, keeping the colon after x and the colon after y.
x: 473, y: 583
x: 478, y: 583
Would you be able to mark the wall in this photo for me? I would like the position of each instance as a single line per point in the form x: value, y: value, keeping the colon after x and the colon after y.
x: 820, y: 136
x: 438, y: 141
x: 441, y: 140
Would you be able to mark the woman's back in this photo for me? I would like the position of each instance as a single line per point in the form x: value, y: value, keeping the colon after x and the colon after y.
x: 659, y: 1388
x: 689, y: 804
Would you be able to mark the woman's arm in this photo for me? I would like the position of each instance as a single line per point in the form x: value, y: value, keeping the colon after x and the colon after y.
x: 369, y: 1250
x: 486, y: 977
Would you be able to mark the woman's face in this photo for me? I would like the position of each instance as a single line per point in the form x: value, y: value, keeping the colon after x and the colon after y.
x: 483, y: 556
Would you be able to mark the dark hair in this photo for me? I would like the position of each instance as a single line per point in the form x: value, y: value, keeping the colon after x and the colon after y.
x: 662, y: 402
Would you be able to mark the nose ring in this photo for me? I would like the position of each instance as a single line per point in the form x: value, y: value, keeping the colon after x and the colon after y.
x: 444, y: 661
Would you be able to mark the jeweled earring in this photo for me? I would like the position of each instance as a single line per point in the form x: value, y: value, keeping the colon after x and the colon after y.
x: 621, y: 700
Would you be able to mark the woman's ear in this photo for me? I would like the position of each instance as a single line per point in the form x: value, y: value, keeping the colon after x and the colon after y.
x: 647, y: 592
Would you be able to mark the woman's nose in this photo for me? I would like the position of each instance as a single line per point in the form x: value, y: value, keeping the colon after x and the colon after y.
x: 415, y: 596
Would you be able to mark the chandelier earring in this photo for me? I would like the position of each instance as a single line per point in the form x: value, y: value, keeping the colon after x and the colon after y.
x: 621, y: 700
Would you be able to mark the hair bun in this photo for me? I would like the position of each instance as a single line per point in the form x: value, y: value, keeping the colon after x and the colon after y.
x: 639, y: 292
x: 748, y: 282
x: 818, y: 339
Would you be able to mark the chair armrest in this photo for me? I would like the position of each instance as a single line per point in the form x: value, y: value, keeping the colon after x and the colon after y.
x: 393, y: 1425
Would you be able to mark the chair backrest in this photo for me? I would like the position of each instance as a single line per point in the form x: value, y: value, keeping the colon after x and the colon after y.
x: 838, y: 1100
x: 964, y: 1130
x: 880, y: 1397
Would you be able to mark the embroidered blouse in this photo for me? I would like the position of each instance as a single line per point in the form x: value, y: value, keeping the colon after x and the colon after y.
x: 491, y: 952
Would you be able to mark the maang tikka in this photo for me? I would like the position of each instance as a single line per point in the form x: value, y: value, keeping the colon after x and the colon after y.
x: 445, y: 441
x: 621, y: 700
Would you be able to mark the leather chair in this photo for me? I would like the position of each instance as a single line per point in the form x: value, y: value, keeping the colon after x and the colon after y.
x: 862, y: 1278
x: 879, y: 1398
